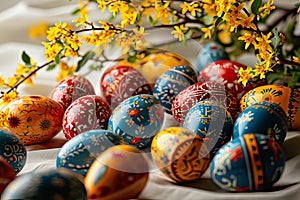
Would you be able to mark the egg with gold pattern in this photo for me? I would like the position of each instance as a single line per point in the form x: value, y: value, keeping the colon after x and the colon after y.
x: 180, y: 154
x: 286, y: 97
x: 120, y: 172
x: 34, y: 119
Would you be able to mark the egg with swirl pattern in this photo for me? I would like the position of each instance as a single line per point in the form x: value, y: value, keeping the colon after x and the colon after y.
x: 81, y: 151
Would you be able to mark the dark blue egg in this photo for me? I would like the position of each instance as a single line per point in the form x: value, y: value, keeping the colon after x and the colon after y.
x: 81, y: 151
x: 47, y: 185
x: 137, y: 120
x: 211, y: 52
x: 252, y: 162
x: 12, y: 150
x: 265, y: 118
x: 171, y: 83
x: 211, y: 121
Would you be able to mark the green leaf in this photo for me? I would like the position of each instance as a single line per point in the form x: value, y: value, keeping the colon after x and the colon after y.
x: 297, y: 52
x: 57, y: 58
x: 131, y: 59
x: 208, y: 20
x: 76, y: 11
x: 86, y: 57
x: 255, y: 6
x: 218, y: 21
x: 51, y: 67
x: 297, y: 4
x: 275, y: 39
x: 25, y: 58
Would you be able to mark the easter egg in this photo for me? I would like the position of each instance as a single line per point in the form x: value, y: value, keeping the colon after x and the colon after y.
x: 287, y: 98
x: 34, y: 119
x: 121, y: 82
x: 265, y: 118
x: 171, y: 82
x: 209, y: 90
x: 211, y: 121
x: 226, y: 72
x: 155, y: 63
x: 84, y: 114
x: 137, y: 120
x: 49, y: 185
x: 121, y: 172
x: 80, y: 152
x: 211, y: 52
x: 71, y: 88
x: 252, y: 162
x: 7, y: 174
x: 180, y: 154
x: 12, y: 150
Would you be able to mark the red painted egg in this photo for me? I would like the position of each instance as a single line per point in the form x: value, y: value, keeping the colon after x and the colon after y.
x: 226, y: 72
x: 34, y: 119
x: 7, y: 174
x: 71, y: 88
x: 209, y: 90
x: 121, y: 82
x: 84, y: 114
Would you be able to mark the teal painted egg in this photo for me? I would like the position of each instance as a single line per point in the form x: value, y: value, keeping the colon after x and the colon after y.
x: 81, y: 151
x: 211, y: 52
x: 252, y: 162
x: 211, y: 121
x: 12, y: 150
x: 48, y: 185
x: 137, y: 120
x: 171, y: 83
x: 265, y: 118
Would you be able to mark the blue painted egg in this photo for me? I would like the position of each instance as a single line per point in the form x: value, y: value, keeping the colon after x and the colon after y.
x: 137, y: 120
x: 211, y: 52
x: 265, y: 118
x: 171, y: 83
x: 211, y: 121
x: 252, y: 162
x: 81, y: 151
x: 48, y: 185
x: 12, y: 150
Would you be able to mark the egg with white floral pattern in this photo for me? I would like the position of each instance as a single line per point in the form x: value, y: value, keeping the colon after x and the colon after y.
x: 265, y: 118
x: 86, y: 113
x: 34, y: 119
x: 81, y: 151
x: 171, y: 83
x: 71, y: 88
x: 137, y: 120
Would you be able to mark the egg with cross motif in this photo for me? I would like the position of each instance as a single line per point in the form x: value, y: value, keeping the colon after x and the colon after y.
x: 34, y: 118
x: 251, y: 162
x: 137, y: 120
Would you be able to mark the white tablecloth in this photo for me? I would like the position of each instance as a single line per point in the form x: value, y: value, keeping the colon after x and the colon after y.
x: 15, y: 18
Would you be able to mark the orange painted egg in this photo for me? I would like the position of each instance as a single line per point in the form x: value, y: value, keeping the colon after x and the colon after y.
x: 156, y: 63
x: 287, y: 98
x: 120, y: 172
x: 180, y: 154
x: 34, y: 119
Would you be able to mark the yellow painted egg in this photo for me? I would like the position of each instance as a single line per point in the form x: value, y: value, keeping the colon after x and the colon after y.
x: 156, y: 63
x: 287, y: 98
x: 34, y: 119
x: 120, y: 172
x: 180, y: 154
